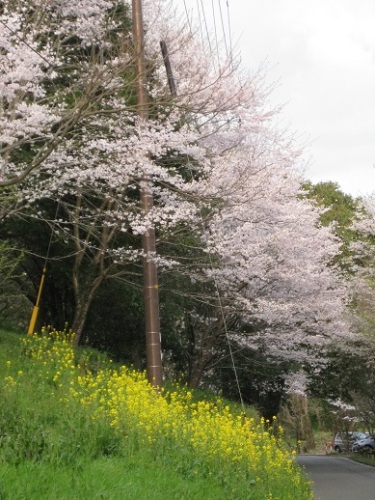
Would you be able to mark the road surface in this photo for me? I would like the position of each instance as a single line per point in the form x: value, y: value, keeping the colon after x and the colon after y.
x: 335, y: 477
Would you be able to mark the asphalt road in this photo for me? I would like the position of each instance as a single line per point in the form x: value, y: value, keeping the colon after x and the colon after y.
x: 336, y: 477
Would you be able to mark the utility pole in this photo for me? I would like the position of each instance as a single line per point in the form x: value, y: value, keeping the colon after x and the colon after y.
x: 168, y: 68
x: 151, y: 294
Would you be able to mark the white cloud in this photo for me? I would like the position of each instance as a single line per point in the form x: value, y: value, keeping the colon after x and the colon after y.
x: 322, y: 56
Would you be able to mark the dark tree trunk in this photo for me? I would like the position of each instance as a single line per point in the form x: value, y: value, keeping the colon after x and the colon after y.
x: 83, y: 303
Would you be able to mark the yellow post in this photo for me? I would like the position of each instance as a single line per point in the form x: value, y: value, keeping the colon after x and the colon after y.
x: 34, y: 315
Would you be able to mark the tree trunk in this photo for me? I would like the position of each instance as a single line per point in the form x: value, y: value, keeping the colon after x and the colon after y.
x: 83, y: 303
x: 201, y: 359
x: 203, y: 351
x: 306, y: 425
x: 197, y: 371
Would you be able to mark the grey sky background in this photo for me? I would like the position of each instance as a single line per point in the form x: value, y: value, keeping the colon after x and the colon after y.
x: 321, y: 57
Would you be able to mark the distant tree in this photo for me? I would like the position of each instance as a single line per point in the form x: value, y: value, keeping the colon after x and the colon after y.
x: 339, y: 211
x: 362, y: 262
x: 347, y: 374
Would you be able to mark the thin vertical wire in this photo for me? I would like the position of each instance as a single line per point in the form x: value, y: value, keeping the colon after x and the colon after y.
x: 223, y: 27
x: 200, y: 22
x: 215, y: 28
x: 206, y: 26
x: 188, y: 18
x: 218, y: 294
x: 230, y: 31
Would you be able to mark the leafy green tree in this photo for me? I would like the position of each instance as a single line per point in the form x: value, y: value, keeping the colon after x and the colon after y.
x: 348, y: 374
x: 340, y: 210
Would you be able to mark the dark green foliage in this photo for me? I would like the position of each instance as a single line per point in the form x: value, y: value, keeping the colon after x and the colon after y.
x: 36, y: 238
x: 14, y: 306
x: 341, y: 210
x: 345, y: 371
x: 115, y: 323
x: 257, y: 378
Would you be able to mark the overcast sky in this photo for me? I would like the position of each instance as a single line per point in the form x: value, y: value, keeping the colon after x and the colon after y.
x: 321, y: 55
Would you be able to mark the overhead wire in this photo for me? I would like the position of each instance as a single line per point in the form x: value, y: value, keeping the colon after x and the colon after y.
x: 220, y: 21
x: 223, y: 28
x: 217, y: 289
x: 206, y: 26
x: 25, y: 42
x: 188, y: 17
x: 35, y: 312
x: 200, y: 23
x: 215, y: 27
x: 229, y: 31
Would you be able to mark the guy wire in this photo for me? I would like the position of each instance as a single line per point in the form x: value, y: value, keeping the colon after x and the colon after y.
x: 174, y: 94
x: 227, y: 336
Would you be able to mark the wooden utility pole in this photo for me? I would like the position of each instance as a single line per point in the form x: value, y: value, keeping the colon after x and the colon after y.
x: 151, y: 294
x: 168, y: 68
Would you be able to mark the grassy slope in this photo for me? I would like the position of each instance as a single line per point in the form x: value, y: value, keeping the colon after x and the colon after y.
x: 86, y: 473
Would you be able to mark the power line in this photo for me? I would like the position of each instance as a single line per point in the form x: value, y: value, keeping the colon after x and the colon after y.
x: 50, y: 65
x: 35, y: 312
x: 223, y: 27
x: 205, y: 24
x: 215, y: 27
x: 200, y: 23
x: 25, y: 42
x: 229, y: 30
x: 188, y: 18
x: 218, y: 294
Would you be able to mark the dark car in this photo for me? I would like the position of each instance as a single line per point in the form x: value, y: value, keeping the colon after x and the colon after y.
x: 344, y: 441
x: 366, y: 445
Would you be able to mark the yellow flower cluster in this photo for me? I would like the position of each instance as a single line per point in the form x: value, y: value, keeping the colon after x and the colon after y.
x: 221, y: 440
x: 54, y: 350
x: 123, y: 398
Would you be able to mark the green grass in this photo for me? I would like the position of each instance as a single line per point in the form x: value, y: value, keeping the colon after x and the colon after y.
x: 363, y: 459
x: 51, y: 448
x: 104, y: 478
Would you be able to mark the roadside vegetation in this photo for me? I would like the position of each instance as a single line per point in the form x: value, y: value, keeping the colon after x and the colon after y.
x: 364, y: 459
x: 75, y: 426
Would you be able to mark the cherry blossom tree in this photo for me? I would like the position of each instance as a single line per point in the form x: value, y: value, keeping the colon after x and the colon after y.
x: 223, y: 176
x: 51, y: 77
x: 94, y: 165
x: 275, y: 274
